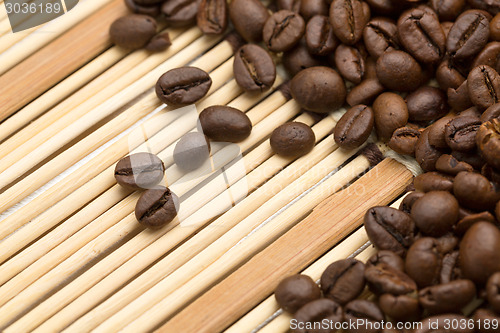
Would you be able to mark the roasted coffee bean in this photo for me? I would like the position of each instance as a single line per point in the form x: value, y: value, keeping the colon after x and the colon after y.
x: 364, y: 312
x: 354, y: 128
x: 409, y: 200
x: 493, y: 112
x: 389, y: 229
x: 320, y: 39
x: 248, y: 18
x: 495, y: 28
x: 483, y: 316
x: 152, y: 10
x: 388, y: 258
x: 180, y: 13
x: 489, y: 56
x: 365, y: 92
x: 400, y: 307
x: 212, y: 16
x: 383, y: 279
x: 132, y: 31
x: 350, y: 63
x: 433, y: 181
x: 484, y: 86
x: 310, y: 8
x: 435, y: 213
x: 426, y: 103
x: 397, y: 70
x: 404, y: 140
x: 283, y: 30
x: 292, y: 139
x: 391, y: 113
x: 475, y: 191
x: 224, y: 123
x: 156, y: 207
x: 437, y: 136
x: 491, y: 173
x: 316, y: 312
x: 448, y: 76
x: 459, y: 99
x: 293, y: 5
x: 473, y: 158
x: 460, y: 133
x: 348, y: 19
x: 140, y: 170
x: 380, y: 35
x: 447, y: 10
x: 447, y: 297
x: 450, y: 165
x: 488, y: 141
x: 183, y: 86
x: 480, y: 252
x: 440, y: 324
x: 450, y: 270
x: 426, y: 154
x: 468, y: 221
x: 296, y: 291
x: 423, y: 262
x: 159, y: 43
x: 472, y: 111
x: 422, y: 35
x: 491, y: 6
x: 468, y: 35
x: 343, y: 280
x: 254, y: 69
x: 318, y: 89
x: 192, y: 150
x: 448, y: 242
x: 493, y: 291
x: 299, y: 58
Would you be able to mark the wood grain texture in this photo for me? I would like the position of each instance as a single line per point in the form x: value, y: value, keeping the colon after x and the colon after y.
x: 329, y: 223
x: 58, y: 59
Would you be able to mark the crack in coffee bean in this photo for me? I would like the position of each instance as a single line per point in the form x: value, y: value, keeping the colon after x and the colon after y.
x: 279, y: 28
x: 392, y: 231
x: 250, y: 67
x: 430, y: 41
x: 489, y: 84
x: 157, y: 205
x: 468, y: 33
x: 350, y: 15
x: 186, y: 87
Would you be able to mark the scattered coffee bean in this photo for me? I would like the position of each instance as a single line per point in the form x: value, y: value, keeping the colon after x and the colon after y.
x: 483, y: 83
x: 460, y: 133
x: 224, y: 123
x: 493, y: 112
x: 183, y: 86
x: 310, y: 8
x: 343, y: 280
x: 365, y: 312
x: 180, y: 13
x: 404, y: 140
x: 383, y: 279
x: 365, y: 92
x: 489, y: 56
x: 350, y: 62
x: 426, y: 154
x: 212, y: 16
x: 450, y: 270
x: 435, y: 213
x: 447, y: 10
x: 283, y: 30
x: 348, y: 19
x: 409, y: 200
x: 473, y: 158
x: 447, y: 297
x: 475, y: 191
x: 391, y: 113
x: 426, y: 103
x: 433, y: 181
x: 132, y: 31
x: 468, y: 35
x: 292, y: 139
x: 354, y: 127
x: 380, y: 35
x: 450, y: 165
x: 423, y: 262
x: 317, y: 311
x: 489, y: 6
x: 192, y: 150
x: 320, y: 39
x: 468, y: 221
x: 388, y: 258
x: 400, y: 307
x: 254, y: 69
x: 140, y: 170
x: 488, y: 141
x: 299, y: 58
x: 159, y: 43
x: 152, y: 10
x: 397, y: 70
x: 248, y: 18
x: 156, y: 208
x: 448, y: 76
x: 296, y: 291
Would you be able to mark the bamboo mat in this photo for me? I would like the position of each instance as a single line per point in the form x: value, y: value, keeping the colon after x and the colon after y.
x: 72, y: 256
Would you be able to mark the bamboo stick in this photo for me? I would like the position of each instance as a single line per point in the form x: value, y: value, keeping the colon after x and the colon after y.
x: 291, y: 252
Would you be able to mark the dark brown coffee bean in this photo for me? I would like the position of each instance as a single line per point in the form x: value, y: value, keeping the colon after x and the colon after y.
x: 310, y: 8
x: 320, y: 39
x: 364, y: 312
x: 388, y: 258
x: 180, y: 13
x: 488, y: 141
x: 156, y: 207
x: 447, y: 297
x: 468, y: 221
x: 441, y: 324
x: 460, y: 133
x: 495, y: 28
x: 365, y: 92
x: 447, y: 10
x: 470, y: 112
x: 475, y: 191
x: 354, y: 128
x: 489, y: 56
x: 483, y: 316
x: 450, y: 270
x: 315, y: 312
x: 350, y: 62
x: 152, y: 10
x: 493, y: 291
x: 224, y: 123
x: 318, y: 89
x: 450, y: 165
x: 426, y: 154
x: 299, y: 58
x: 183, y: 86
x: 426, y: 103
x: 448, y: 76
x: 380, y: 35
x: 473, y: 158
x: 343, y: 280
x: 248, y: 18
x: 397, y: 70
x: 423, y: 262
x: 212, y: 16
x: 491, y: 6
x: 293, y: 5
x: 483, y: 83
x: 292, y: 139
x: 422, y: 35
x: 385, y: 7
x: 468, y: 35
x: 296, y: 291
x: 435, y: 213
x: 404, y: 140
x: 409, y: 200
x: 159, y: 43
x: 383, y: 279
x: 493, y: 112
x: 491, y: 173
x: 132, y: 31
x: 254, y: 69
x: 433, y: 181
x: 400, y: 307
x: 389, y: 229
x: 391, y: 113
x: 348, y: 19
x: 459, y: 99
x: 480, y: 252
x: 437, y: 136
x: 140, y: 170
x: 448, y: 242
x: 283, y: 30
x: 192, y: 150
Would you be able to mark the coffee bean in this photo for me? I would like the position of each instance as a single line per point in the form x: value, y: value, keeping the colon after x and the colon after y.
x: 140, y: 170
x: 365, y: 313
x: 433, y: 181
x: 156, y: 208
x: 310, y: 8
x: 254, y: 69
x: 447, y: 10
x: 388, y: 258
x: 389, y: 229
x: 448, y: 76
x: 450, y: 270
x: 489, y: 56
x: 224, y: 123
x: 293, y: 5
x: 132, y: 31
x: 152, y: 10
x: 480, y: 252
x: 468, y: 221
x: 426, y: 154
x: 318, y: 89
x: 315, y: 312
x: 468, y: 35
x: 475, y: 191
x: 493, y: 291
x: 409, y: 200
x: 354, y: 127
x: 473, y: 158
x: 422, y: 35
x: 423, y: 262
x: 348, y: 19
x: 183, y: 86
x: 212, y: 16
x: 343, y: 280
x: 180, y: 13
x: 491, y: 173
x: 296, y: 291
x: 448, y: 242
x: 426, y: 103
x: 460, y: 133
x: 383, y: 279
x: 404, y: 140
x: 483, y: 83
x: 472, y: 112
x: 292, y: 139
x: 299, y: 58
x: 385, y: 7
x: 397, y: 70
x: 447, y: 297
x: 491, y: 6
x: 320, y: 39
x: 437, y: 136
x: 495, y: 28
x: 365, y: 92
x: 391, y: 113
x: 459, y: 99
x: 248, y: 18
x: 435, y: 213
x: 380, y: 35
x: 192, y: 150
x: 488, y: 141
x: 400, y: 307
x: 283, y: 30
x: 483, y: 316
x: 450, y: 165
x: 493, y: 112
x: 159, y: 43
x: 350, y: 62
